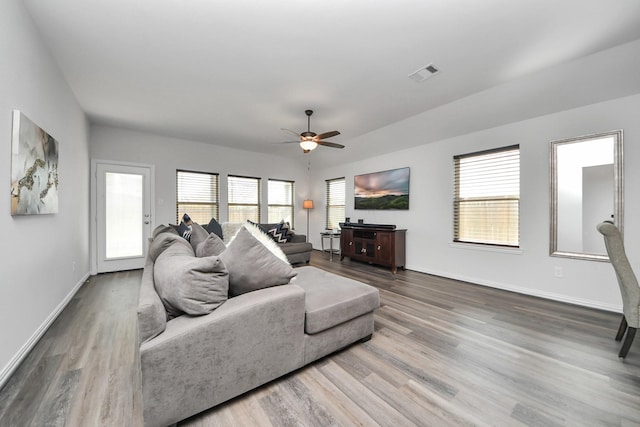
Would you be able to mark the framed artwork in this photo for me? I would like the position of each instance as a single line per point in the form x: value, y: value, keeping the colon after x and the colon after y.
x: 34, y: 169
x: 382, y: 190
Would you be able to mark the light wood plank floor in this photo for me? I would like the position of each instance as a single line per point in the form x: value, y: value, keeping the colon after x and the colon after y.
x: 444, y: 353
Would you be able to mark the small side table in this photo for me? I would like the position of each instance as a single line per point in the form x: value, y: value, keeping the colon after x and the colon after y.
x: 330, y: 234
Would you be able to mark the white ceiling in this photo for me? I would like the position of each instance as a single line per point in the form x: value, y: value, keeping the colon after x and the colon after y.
x: 234, y: 72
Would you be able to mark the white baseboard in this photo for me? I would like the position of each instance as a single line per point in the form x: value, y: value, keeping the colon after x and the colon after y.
x: 13, y: 364
x: 532, y: 292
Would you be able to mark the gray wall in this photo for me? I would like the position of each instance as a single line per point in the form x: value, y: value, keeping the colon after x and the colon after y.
x: 43, y: 258
x: 529, y: 270
x: 168, y: 154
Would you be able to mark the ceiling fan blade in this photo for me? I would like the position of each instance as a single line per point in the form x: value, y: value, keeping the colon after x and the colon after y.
x: 289, y: 142
x: 296, y: 134
x: 327, y: 134
x: 330, y: 144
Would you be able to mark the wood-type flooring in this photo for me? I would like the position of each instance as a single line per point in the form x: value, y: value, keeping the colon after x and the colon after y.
x: 443, y: 353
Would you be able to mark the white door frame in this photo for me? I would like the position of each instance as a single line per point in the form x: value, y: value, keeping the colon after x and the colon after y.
x: 93, y: 222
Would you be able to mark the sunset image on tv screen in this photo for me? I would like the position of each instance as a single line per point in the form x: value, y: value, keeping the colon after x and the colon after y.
x: 382, y: 190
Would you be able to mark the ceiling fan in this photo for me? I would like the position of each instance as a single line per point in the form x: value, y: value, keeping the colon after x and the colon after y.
x: 310, y: 140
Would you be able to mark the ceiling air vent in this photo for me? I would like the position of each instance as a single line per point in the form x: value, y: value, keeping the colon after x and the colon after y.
x: 424, y: 73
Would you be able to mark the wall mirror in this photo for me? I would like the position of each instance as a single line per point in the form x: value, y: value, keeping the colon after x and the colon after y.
x: 586, y: 188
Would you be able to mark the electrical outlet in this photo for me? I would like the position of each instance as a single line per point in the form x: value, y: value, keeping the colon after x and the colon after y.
x: 557, y: 271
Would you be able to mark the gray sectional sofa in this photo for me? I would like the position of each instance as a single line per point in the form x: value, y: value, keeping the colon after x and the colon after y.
x: 191, y: 363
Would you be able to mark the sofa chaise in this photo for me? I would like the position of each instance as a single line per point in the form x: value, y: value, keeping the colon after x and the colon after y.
x: 190, y: 363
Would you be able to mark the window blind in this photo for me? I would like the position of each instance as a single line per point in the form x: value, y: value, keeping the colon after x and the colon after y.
x: 335, y: 202
x: 486, y: 203
x: 197, y: 193
x: 280, y: 201
x: 243, y: 198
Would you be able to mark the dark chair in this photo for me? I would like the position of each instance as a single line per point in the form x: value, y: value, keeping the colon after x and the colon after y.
x: 628, y: 285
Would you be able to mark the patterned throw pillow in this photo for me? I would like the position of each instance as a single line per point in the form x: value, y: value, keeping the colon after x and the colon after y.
x: 281, y: 233
x: 185, y: 230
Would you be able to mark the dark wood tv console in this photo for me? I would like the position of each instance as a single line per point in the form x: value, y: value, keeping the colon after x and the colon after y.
x: 382, y: 245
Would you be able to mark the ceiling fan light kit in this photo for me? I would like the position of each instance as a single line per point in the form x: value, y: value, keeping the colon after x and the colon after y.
x: 310, y: 140
x: 308, y: 145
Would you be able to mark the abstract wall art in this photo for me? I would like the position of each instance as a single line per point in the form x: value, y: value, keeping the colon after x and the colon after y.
x: 34, y: 169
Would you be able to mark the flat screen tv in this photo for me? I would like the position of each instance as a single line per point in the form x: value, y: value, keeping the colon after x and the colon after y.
x: 382, y: 190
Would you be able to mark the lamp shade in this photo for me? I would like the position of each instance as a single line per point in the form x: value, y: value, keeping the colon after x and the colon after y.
x: 307, y: 204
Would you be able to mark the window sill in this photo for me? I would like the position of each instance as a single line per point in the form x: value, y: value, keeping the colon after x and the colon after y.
x: 486, y: 248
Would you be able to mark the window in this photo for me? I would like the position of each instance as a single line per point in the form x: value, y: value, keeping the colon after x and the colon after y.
x: 244, y: 198
x: 335, y: 202
x: 280, y: 201
x: 487, y: 197
x: 197, y: 193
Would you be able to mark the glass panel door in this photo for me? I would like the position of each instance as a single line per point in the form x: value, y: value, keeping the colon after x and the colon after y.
x: 123, y: 216
x: 124, y: 205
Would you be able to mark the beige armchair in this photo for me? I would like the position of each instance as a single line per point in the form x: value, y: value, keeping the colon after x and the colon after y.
x: 628, y: 285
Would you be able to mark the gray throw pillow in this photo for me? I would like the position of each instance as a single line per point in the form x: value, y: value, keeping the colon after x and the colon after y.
x: 190, y: 285
x: 211, y: 246
x: 163, y: 228
x: 162, y: 241
x: 252, y: 266
x: 267, y: 241
x: 198, y: 235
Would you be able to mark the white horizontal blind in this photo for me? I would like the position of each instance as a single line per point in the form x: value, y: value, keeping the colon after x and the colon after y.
x: 197, y: 194
x: 244, y: 198
x: 487, y: 197
x: 335, y: 202
x: 280, y: 197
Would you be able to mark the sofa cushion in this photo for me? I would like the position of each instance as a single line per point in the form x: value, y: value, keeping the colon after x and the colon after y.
x: 214, y: 227
x: 252, y: 266
x: 184, y: 230
x: 163, y: 241
x: 263, y: 227
x: 331, y: 299
x: 198, y: 235
x: 163, y: 228
x: 211, y: 246
x: 295, y: 248
x: 187, y: 219
x: 299, y: 238
x: 257, y: 232
x: 229, y: 230
x: 281, y: 232
x: 187, y: 284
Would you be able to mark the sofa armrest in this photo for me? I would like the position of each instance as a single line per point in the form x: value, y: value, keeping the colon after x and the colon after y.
x: 298, y: 238
x: 199, y: 362
x: 152, y: 317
